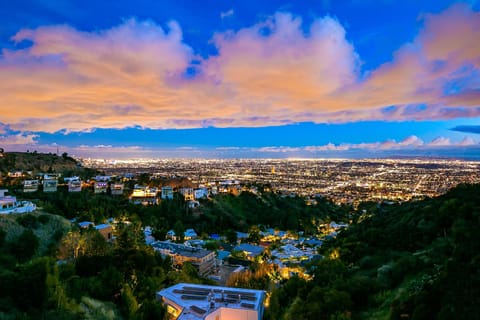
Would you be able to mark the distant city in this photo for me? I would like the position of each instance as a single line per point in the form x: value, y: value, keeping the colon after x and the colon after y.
x: 343, y: 181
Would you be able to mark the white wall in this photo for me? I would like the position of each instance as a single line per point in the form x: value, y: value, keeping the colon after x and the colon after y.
x: 233, y: 314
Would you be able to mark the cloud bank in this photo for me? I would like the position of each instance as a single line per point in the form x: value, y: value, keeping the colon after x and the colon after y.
x: 23, y: 141
x: 409, y: 143
x: 275, y: 72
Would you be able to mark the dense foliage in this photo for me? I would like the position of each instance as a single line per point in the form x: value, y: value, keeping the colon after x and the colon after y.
x: 417, y: 260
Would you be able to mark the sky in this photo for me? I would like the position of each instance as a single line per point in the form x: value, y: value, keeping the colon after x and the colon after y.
x: 230, y: 79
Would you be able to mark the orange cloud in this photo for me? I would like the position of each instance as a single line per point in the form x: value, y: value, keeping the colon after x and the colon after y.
x: 440, y: 69
x: 271, y: 73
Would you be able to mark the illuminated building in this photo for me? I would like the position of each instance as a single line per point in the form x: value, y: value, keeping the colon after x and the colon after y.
x: 185, y: 301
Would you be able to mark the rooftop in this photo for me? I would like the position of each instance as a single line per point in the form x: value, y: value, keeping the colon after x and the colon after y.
x: 103, y: 226
x: 198, y: 301
x: 250, y: 248
x: 181, y: 249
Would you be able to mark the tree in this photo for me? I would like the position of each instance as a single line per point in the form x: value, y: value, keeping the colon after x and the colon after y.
x: 179, y: 230
x: 129, y: 303
x: 25, y: 246
x: 2, y: 237
x: 159, y: 234
x: 231, y: 236
x: 73, y: 245
x: 254, y: 234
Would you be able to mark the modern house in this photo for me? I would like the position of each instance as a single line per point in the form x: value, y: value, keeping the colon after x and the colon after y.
x: 100, y: 187
x: 185, y: 301
x: 117, y: 189
x: 189, y: 234
x: 74, y: 184
x: 167, y: 193
x: 106, y: 230
x: 203, y: 260
x: 250, y: 250
x: 50, y: 185
x: 144, y: 195
x: 187, y: 193
x: 9, y: 204
x: 200, y: 193
x: 30, y: 185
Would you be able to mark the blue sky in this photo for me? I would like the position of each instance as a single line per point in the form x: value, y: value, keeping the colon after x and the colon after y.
x: 119, y: 79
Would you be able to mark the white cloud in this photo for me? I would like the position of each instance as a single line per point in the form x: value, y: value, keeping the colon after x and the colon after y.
x: 409, y: 143
x: 440, y: 142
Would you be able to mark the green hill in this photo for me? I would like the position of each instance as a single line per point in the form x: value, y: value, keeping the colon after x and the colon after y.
x: 36, y: 162
x: 418, y: 260
x: 48, y: 228
x: 33, y: 163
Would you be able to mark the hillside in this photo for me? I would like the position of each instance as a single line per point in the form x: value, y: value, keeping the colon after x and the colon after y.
x: 36, y: 162
x: 418, y: 260
x: 48, y: 228
x: 269, y: 209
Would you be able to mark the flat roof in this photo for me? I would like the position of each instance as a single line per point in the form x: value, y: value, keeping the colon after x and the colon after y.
x: 199, y: 300
x: 103, y: 226
x: 181, y: 249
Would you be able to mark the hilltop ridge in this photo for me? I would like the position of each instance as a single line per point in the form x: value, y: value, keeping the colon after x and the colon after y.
x: 37, y: 162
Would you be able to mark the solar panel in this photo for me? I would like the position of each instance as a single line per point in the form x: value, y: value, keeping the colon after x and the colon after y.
x: 196, y: 289
x: 192, y: 297
x: 194, y: 292
x: 241, y: 293
x: 198, y: 310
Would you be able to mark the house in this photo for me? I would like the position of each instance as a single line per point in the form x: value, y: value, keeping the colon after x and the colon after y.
x: 185, y: 301
x: 203, y: 260
x: 106, y: 230
x: 74, y: 184
x: 139, y: 191
x: 85, y: 224
x: 187, y: 193
x: 200, y: 193
x: 100, y: 187
x: 50, y: 185
x: 117, y: 189
x: 30, y: 185
x: 250, y: 250
x: 167, y: 193
x: 9, y: 204
x: 151, y: 192
x: 144, y: 195
x: 189, y: 234
x: 15, y: 174
x: 170, y: 235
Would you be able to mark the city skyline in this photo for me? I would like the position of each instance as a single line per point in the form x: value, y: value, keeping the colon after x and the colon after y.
x: 226, y: 79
